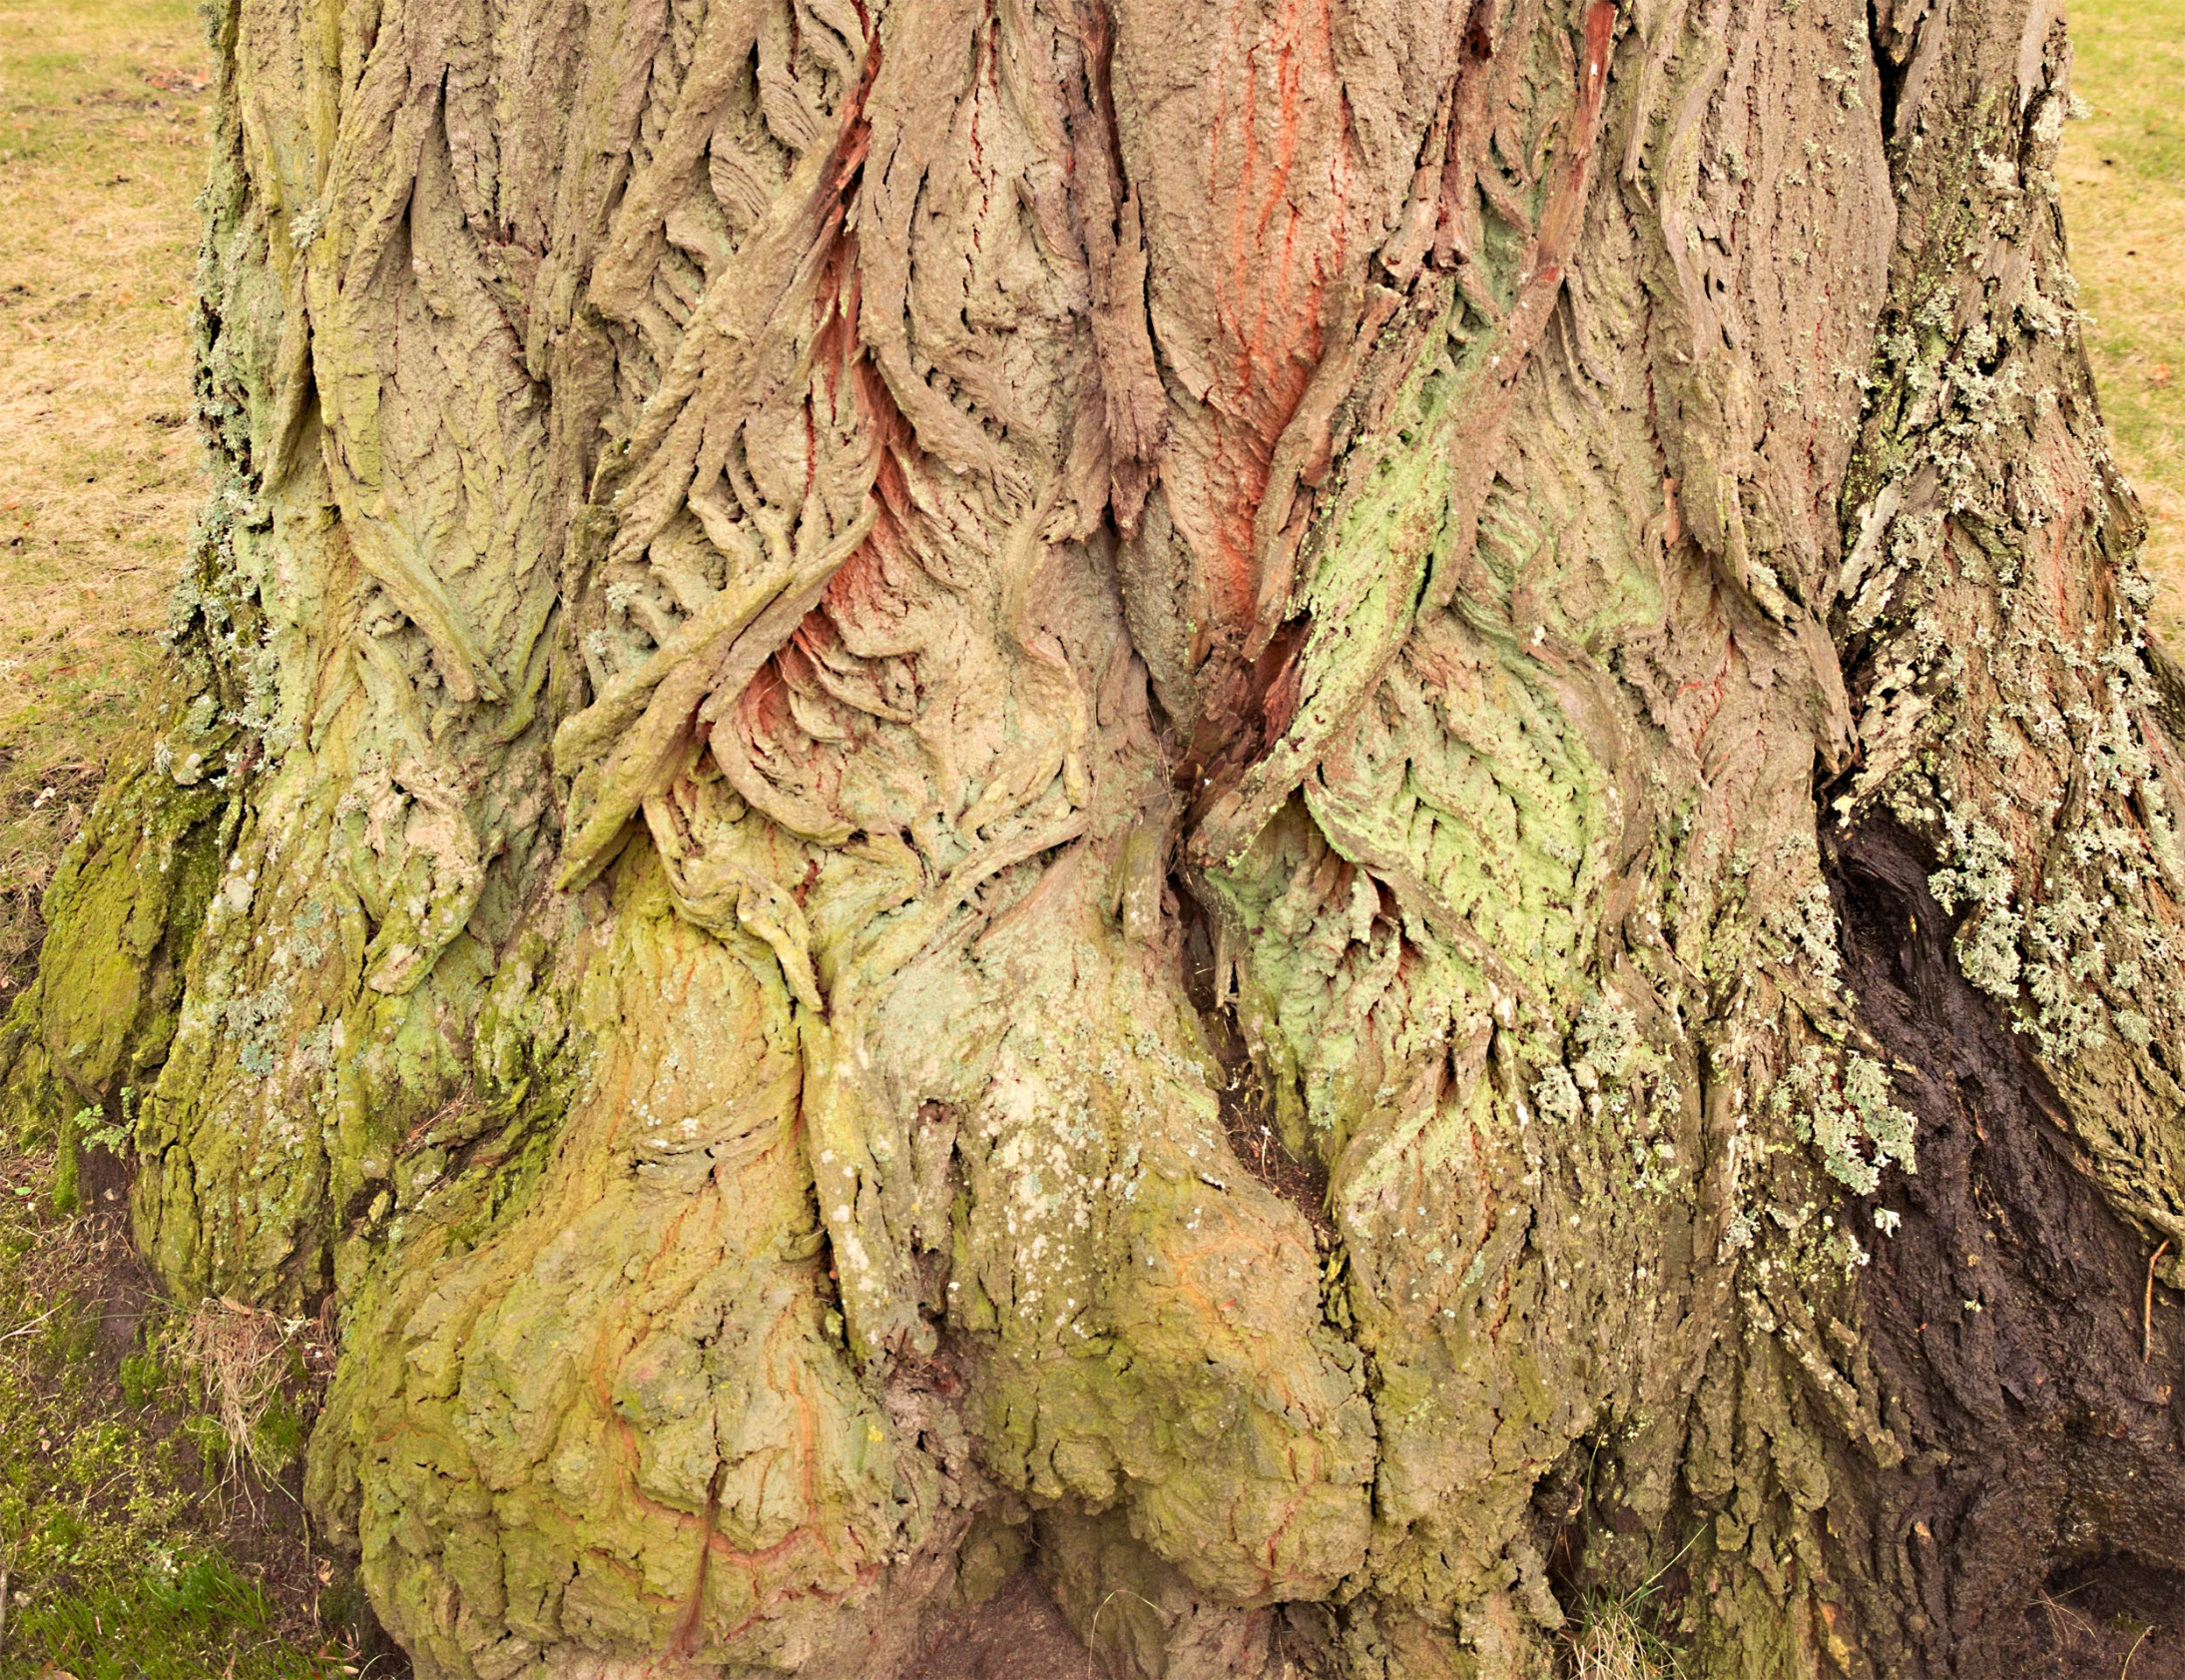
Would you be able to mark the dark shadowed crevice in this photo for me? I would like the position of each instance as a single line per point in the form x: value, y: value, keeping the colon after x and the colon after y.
x: 2005, y: 1316
x: 1247, y: 1106
x: 1596, y: 1549
x: 1890, y: 63
x: 2116, y: 1615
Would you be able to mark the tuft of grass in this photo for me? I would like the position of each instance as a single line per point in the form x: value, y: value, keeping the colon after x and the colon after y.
x: 1615, y: 1640
x: 246, y: 1362
x: 2123, y: 176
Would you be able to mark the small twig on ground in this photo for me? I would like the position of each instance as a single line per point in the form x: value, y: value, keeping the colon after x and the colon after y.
x: 448, y: 1110
x: 1092, y: 1633
x: 2147, y: 1308
x: 25, y: 1329
x: 2137, y: 1643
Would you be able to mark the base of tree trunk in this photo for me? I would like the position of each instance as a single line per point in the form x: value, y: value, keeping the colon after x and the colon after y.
x: 1340, y: 833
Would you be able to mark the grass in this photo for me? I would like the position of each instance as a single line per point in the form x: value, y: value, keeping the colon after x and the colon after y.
x: 1616, y: 1640
x: 102, y: 134
x: 2123, y: 175
x: 136, y: 1544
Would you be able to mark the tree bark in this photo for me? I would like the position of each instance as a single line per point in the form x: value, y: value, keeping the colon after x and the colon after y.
x: 1345, y: 818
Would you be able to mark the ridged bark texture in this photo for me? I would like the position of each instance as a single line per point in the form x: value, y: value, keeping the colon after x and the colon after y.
x: 1346, y: 811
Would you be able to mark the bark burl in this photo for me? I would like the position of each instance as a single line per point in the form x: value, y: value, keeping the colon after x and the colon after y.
x: 1345, y: 817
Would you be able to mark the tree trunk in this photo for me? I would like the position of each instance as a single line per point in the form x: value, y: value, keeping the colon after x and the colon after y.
x: 1345, y: 819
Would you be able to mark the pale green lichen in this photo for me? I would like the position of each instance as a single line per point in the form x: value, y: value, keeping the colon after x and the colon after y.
x: 1982, y: 876
x: 1841, y: 1105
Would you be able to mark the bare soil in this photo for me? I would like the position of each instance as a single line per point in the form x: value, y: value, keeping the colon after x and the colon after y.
x: 1017, y: 1634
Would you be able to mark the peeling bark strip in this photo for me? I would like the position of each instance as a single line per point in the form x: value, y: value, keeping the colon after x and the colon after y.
x: 1343, y: 817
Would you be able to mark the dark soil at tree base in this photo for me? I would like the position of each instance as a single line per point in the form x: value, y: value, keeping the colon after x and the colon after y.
x: 2034, y: 1525
x: 1018, y: 1634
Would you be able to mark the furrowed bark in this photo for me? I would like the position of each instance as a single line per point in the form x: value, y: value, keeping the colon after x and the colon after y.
x: 1349, y: 815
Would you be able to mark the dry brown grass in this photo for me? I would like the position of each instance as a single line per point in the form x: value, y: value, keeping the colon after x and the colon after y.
x: 242, y: 1357
x: 102, y: 132
x: 1614, y: 1642
x: 2123, y: 176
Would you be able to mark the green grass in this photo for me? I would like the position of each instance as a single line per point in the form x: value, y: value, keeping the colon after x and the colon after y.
x: 179, y: 1617
x: 121, y: 1497
x: 1615, y: 1639
x: 2123, y: 173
